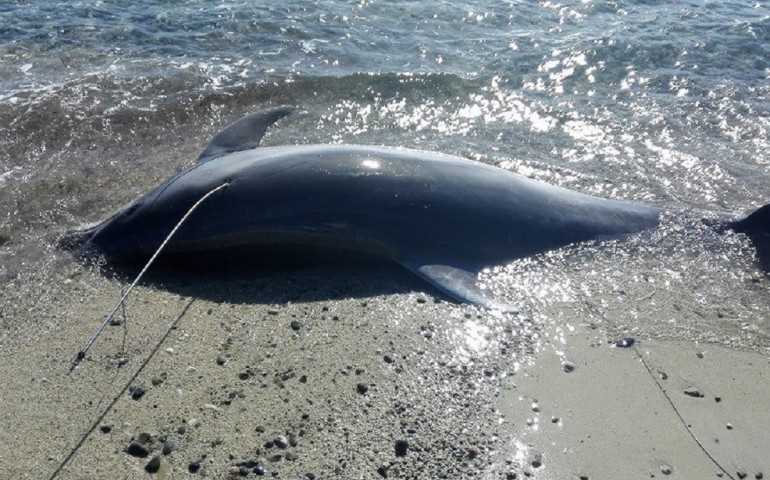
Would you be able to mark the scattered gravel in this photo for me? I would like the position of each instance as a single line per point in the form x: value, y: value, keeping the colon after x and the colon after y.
x: 693, y: 392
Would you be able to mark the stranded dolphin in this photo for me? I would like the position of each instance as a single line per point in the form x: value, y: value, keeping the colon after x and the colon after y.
x: 443, y: 217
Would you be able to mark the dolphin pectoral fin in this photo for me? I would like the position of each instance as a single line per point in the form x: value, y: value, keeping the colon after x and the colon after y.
x: 460, y: 285
x: 244, y: 134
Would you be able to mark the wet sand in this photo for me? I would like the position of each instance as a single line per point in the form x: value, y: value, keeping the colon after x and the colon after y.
x: 360, y: 387
x: 353, y: 372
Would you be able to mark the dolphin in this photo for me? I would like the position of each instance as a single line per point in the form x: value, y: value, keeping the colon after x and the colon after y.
x: 443, y: 217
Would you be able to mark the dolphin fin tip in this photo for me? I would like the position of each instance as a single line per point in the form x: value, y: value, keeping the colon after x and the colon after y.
x: 460, y: 285
x: 243, y: 134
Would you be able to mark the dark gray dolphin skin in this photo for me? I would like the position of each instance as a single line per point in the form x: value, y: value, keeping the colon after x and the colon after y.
x: 443, y: 217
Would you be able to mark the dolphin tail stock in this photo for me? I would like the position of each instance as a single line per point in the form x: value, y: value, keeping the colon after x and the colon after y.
x: 756, y: 226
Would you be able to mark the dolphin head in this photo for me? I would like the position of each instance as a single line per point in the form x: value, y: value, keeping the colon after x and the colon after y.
x: 124, y: 237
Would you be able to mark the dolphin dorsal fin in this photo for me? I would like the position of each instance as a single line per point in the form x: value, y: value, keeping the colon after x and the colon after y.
x: 244, y: 134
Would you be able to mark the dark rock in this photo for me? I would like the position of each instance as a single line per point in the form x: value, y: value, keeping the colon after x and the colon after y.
x: 168, y: 447
x: 153, y: 465
x: 401, y: 447
x: 137, y: 392
x: 625, y: 343
x: 105, y: 428
x: 693, y: 392
x: 362, y: 388
x: 221, y: 360
x: 281, y: 441
x: 296, y: 325
x: 137, y: 450
x: 194, y: 467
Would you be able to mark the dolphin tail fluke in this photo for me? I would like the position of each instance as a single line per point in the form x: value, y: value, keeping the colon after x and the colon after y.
x: 757, y: 227
x: 459, y: 285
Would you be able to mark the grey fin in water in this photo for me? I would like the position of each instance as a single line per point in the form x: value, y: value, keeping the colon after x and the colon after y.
x: 460, y: 285
x: 244, y: 134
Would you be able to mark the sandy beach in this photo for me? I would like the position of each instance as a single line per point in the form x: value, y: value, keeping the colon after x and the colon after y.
x: 356, y: 372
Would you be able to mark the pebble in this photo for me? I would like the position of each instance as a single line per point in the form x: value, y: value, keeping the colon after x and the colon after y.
x: 729, y: 426
x: 568, y: 366
x: 693, y: 392
x: 388, y: 359
x: 362, y: 388
x: 625, y: 343
x: 153, y: 465
x: 281, y: 442
x: 296, y: 325
x: 221, y: 360
x: 194, y: 466
x: 137, y: 450
x: 105, y: 428
x: 665, y: 469
x: 383, y: 470
x: 168, y: 447
x: 119, y: 362
x: 137, y: 392
x: 401, y: 447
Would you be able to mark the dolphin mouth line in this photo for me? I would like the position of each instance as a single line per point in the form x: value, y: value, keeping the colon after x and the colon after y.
x: 78, y: 237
